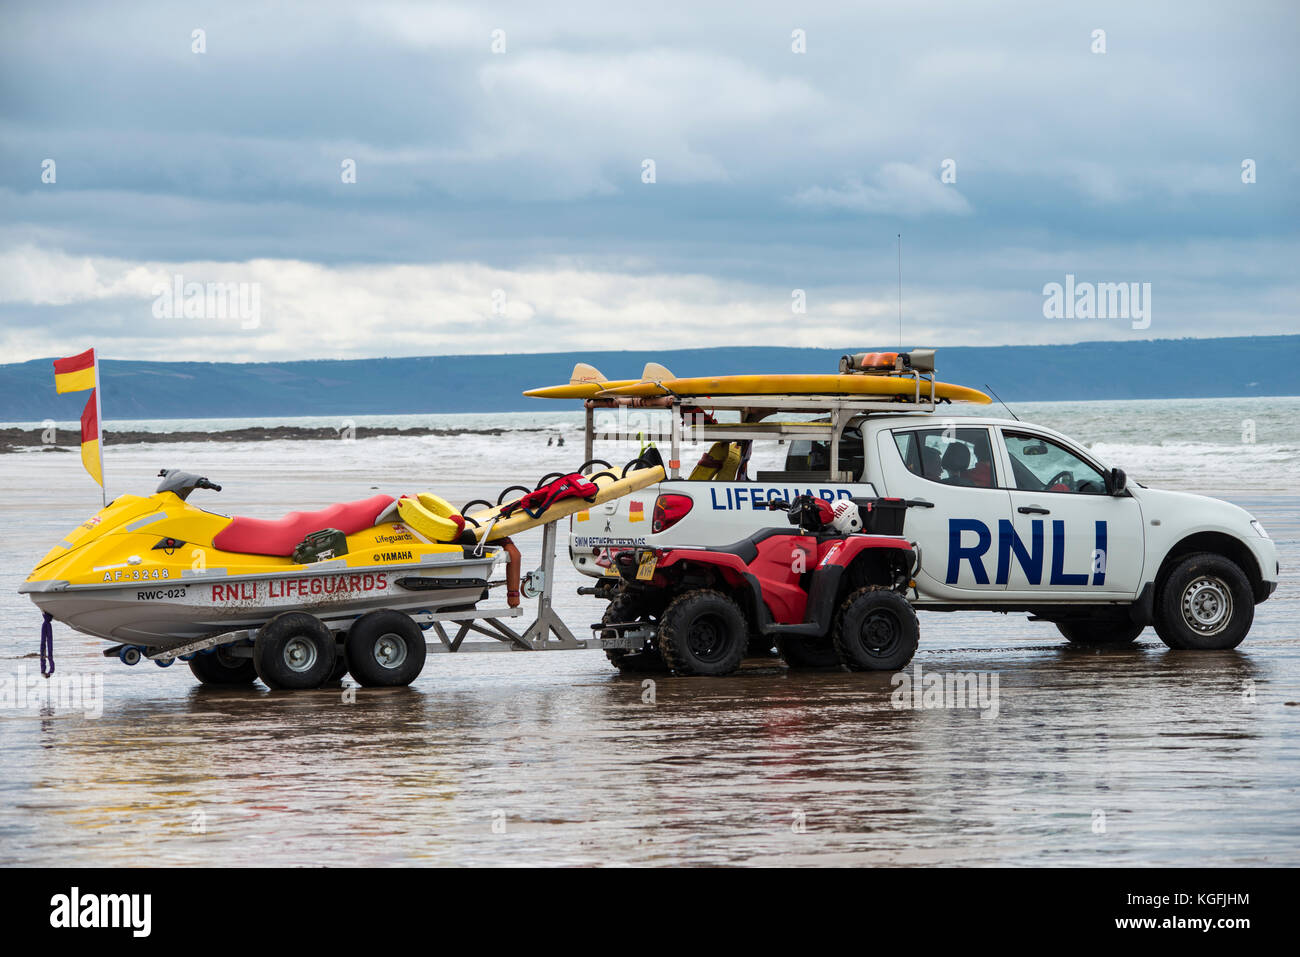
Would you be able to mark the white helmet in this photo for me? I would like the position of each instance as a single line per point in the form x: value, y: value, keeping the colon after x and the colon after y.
x: 847, y: 519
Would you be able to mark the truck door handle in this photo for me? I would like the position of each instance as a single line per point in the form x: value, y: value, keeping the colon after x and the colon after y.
x: 918, y: 503
x: 1033, y: 510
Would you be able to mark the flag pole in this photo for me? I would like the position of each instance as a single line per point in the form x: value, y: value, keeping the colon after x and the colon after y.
x: 99, y: 425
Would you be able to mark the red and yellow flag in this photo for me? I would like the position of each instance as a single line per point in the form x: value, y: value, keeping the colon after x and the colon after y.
x: 90, y: 456
x: 75, y: 373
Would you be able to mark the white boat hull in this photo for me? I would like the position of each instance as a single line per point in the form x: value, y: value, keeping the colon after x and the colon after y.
x: 166, y: 614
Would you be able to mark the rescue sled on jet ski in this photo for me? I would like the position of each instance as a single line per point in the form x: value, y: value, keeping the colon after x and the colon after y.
x: 165, y: 578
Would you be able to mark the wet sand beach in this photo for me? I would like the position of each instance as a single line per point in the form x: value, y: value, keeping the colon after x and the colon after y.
x: 1140, y: 756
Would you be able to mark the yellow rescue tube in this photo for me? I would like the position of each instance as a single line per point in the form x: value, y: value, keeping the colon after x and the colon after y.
x: 432, y: 516
x: 489, y: 522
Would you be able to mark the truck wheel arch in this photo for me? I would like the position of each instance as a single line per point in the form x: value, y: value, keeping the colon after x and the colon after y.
x: 1219, y: 543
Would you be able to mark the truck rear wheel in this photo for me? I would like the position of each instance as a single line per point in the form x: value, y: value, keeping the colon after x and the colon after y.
x: 632, y: 607
x: 1101, y: 632
x: 875, y: 630
x: 1204, y: 603
x: 294, y: 651
x: 220, y: 667
x: 385, y: 649
x: 800, y: 653
x: 703, y: 632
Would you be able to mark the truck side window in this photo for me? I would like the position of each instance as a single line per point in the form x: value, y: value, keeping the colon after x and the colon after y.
x: 953, y: 457
x: 1040, y: 465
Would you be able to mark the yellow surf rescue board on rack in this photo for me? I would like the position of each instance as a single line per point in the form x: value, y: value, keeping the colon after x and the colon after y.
x: 587, y: 382
x: 903, y: 387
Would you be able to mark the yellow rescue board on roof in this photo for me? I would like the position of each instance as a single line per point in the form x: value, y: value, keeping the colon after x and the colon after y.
x: 489, y: 522
x: 792, y: 384
x: 586, y: 382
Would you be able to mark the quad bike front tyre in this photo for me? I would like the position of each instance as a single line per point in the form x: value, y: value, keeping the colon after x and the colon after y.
x: 875, y: 630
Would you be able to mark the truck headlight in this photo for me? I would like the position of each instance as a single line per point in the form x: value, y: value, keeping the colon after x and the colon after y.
x: 1259, y: 529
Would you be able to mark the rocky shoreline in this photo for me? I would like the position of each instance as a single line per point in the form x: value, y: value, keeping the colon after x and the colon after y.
x: 13, y: 440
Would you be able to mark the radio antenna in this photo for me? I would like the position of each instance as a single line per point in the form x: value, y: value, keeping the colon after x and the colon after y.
x: 999, y: 398
x: 900, y: 290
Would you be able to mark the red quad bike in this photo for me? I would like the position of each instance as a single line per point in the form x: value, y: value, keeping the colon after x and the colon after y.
x: 827, y: 594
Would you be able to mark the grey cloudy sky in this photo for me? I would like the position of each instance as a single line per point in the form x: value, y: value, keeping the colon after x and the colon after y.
x: 499, y: 203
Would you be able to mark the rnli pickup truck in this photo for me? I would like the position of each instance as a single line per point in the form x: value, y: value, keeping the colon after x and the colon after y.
x: 1005, y: 516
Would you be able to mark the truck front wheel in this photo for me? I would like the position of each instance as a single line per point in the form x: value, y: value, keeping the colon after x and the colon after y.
x: 703, y: 632
x: 1204, y: 603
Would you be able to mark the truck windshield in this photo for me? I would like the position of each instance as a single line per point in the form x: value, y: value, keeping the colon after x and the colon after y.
x: 806, y: 455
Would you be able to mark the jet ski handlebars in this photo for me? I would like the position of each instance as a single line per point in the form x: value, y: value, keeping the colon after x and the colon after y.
x: 182, y: 483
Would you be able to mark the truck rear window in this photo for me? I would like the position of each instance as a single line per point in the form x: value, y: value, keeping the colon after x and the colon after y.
x: 806, y: 455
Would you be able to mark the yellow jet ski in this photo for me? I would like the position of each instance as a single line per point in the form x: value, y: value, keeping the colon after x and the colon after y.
x: 243, y: 598
x: 155, y: 572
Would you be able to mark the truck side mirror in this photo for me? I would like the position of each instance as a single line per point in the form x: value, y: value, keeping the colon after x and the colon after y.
x: 1116, y: 481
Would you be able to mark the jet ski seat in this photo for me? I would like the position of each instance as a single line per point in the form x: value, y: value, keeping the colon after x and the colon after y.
x: 259, y: 536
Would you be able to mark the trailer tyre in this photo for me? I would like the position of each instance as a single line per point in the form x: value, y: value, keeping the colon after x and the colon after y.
x: 385, y: 649
x: 294, y: 650
x: 703, y: 632
x: 1100, y: 633
x: 630, y: 607
x: 876, y: 630
x: 808, y: 653
x: 1204, y: 603
x: 220, y: 667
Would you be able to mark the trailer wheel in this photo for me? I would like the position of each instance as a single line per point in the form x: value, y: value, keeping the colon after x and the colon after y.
x: 876, y: 630
x: 220, y: 667
x: 1204, y: 603
x: 647, y: 660
x: 1100, y: 633
x: 294, y: 650
x: 703, y: 632
x: 385, y: 649
x: 808, y: 653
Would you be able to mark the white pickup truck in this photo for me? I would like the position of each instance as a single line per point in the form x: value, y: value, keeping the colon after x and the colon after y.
x: 1008, y: 517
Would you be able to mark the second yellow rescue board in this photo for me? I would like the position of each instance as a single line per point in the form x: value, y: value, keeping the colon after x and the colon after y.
x: 793, y: 384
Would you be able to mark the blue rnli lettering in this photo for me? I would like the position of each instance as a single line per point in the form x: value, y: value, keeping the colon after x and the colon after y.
x: 973, y: 553
x: 1099, y: 557
x: 1059, y: 575
x: 1030, y: 560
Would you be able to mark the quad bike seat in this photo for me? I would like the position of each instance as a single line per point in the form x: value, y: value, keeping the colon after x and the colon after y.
x: 747, y: 548
x: 259, y: 536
